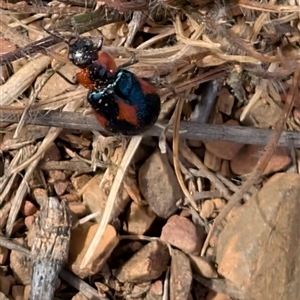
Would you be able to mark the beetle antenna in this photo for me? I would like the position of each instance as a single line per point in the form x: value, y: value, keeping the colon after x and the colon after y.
x: 57, y: 35
x: 100, y: 43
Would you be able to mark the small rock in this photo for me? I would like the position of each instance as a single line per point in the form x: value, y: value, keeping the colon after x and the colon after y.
x: 182, y: 233
x: 225, y: 102
x: 185, y: 213
x: 85, y: 153
x: 263, y: 114
x: 145, y: 265
x: 36, y: 33
x: 95, y: 199
x: 17, y: 292
x: 71, y: 198
x: 81, y: 238
x: 21, y: 267
x: 56, y: 175
x: 194, y: 143
x: 159, y: 185
x: 258, y: 250
x: 11, y: 279
x: 60, y: 187
x: 245, y: 161
x: 32, y: 233
x: 40, y: 196
x: 219, y: 203
x: 28, y: 208
x: 203, y: 266
x: 139, y: 219
x: 213, y: 242
x: 80, y: 296
x: 216, y: 296
x: 52, y: 153
x: 211, y: 253
x: 140, y: 289
x: 77, y: 142
x: 296, y: 114
x: 223, y: 149
x: 181, y: 276
x: 5, y: 285
x: 207, y: 209
x: 156, y: 291
x: 3, y: 255
x: 217, y: 118
x: 27, y: 290
x: 3, y: 297
x: 78, y: 208
x: 133, y: 190
x: 79, y: 181
x: 29, y: 221
x: 212, y: 161
x: 225, y: 169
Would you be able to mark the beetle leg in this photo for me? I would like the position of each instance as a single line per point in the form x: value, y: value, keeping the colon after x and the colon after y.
x: 133, y: 60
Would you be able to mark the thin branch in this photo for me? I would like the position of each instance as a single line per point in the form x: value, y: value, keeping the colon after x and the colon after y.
x: 78, y: 121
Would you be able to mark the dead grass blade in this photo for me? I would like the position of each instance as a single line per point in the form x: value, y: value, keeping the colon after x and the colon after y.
x: 176, y: 160
x: 130, y: 151
x: 268, y: 7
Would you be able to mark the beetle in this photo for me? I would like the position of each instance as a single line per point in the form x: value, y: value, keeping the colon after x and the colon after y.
x: 123, y: 103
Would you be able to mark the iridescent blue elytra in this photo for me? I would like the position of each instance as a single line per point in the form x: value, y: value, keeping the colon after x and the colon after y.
x: 128, y: 105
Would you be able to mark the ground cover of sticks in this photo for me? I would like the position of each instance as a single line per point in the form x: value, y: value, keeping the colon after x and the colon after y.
x: 205, y: 205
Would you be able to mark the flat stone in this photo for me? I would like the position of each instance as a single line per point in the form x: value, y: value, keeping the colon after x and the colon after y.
x: 203, y: 266
x: 60, y: 187
x: 262, y: 114
x: 40, y: 196
x: 3, y: 254
x: 245, y: 161
x: 156, y: 291
x: 183, y: 234
x: 159, y: 185
x: 17, y: 292
x: 81, y: 238
x: 56, y: 175
x: 28, y: 208
x: 212, y: 161
x: 181, y: 276
x: 27, y: 290
x: 259, y: 248
x: 80, y: 296
x: 95, y: 198
x: 52, y: 153
x: 225, y: 102
x: 78, y: 182
x: 5, y: 285
x: 21, y: 267
x: 139, y: 219
x: 145, y: 265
